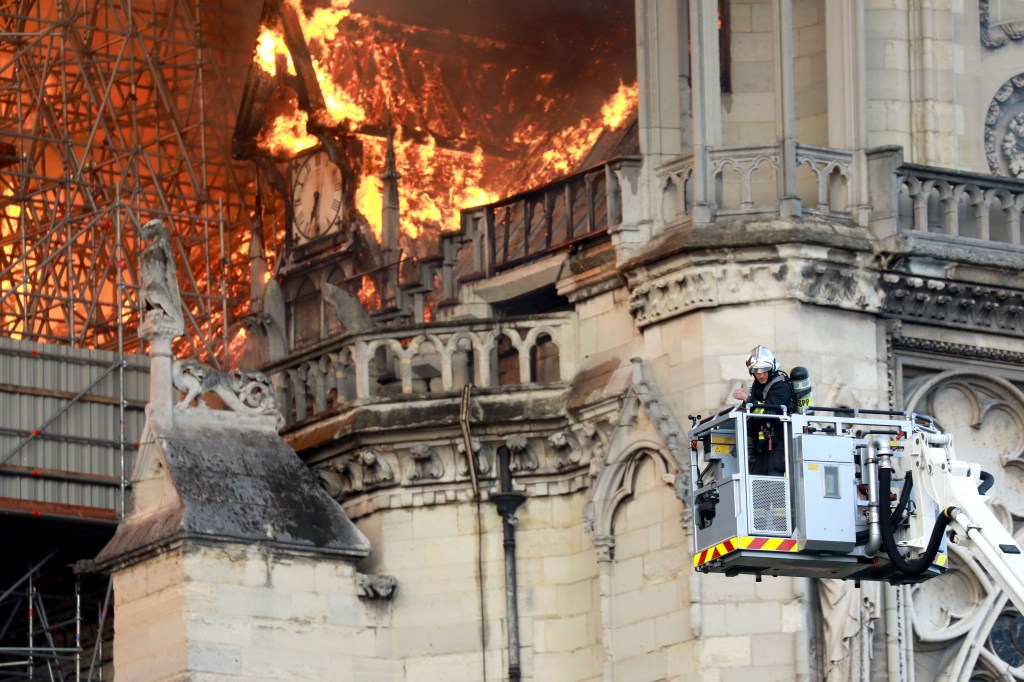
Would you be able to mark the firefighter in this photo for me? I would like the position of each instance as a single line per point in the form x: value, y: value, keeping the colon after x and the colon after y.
x: 770, y: 387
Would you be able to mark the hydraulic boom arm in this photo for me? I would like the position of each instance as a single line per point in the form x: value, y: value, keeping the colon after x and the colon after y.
x: 954, y: 486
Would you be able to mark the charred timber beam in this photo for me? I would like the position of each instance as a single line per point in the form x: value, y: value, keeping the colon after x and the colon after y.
x: 311, y: 99
x: 272, y: 174
x: 258, y: 87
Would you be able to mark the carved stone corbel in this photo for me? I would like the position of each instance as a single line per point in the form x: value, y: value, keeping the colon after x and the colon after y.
x: 483, y: 465
x: 566, y: 448
x: 376, y: 586
x: 426, y: 464
x: 376, y: 470
x: 340, y: 475
x: 522, y: 457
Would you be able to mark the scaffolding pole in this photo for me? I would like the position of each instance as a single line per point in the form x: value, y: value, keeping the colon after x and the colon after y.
x: 113, y: 113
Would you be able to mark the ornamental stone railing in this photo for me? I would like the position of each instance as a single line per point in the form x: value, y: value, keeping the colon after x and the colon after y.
x: 923, y: 200
x: 746, y: 183
x: 904, y: 198
x: 425, y: 360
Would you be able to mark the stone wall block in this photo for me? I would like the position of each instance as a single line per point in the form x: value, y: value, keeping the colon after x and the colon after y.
x: 568, y: 568
x: 571, y: 666
x: 754, y: 618
x: 346, y: 610
x: 563, y: 634
x: 256, y: 602
x: 449, y: 638
x: 725, y: 652
x: 211, y: 658
x: 210, y: 630
x: 310, y: 607
x: 650, y: 667
x: 466, y: 667
x: 653, y: 600
x: 293, y: 576
x: 635, y: 639
x: 331, y: 577
x: 315, y: 641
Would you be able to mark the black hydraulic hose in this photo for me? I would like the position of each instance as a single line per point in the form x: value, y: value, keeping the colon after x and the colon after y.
x: 908, y: 486
x: 909, y: 568
x: 987, y: 480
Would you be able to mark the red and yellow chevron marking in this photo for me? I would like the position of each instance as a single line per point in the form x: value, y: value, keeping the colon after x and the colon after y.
x: 744, y: 542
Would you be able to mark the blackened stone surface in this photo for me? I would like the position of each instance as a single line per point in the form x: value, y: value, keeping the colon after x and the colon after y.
x: 236, y: 485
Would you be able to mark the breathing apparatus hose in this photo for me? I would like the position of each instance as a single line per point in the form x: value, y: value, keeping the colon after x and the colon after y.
x: 909, y: 568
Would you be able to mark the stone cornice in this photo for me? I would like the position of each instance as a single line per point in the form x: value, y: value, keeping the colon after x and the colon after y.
x: 712, y: 285
x: 553, y: 457
x: 815, y: 279
x: 960, y: 350
x: 953, y: 304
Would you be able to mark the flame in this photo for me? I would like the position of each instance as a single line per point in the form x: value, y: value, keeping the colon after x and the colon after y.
x: 236, y: 347
x: 570, y: 145
x: 19, y: 279
x: 370, y: 202
x: 616, y: 111
x: 438, y: 179
x: 368, y: 294
x: 321, y: 29
x: 436, y: 184
x: 12, y: 211
x: 269, y: 46
x: 288, y: 135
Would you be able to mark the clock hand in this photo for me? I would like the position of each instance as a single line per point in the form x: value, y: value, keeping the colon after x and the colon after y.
x: 314, y: 224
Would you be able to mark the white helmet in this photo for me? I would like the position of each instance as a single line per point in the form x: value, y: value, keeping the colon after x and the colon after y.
x: 761, y: 360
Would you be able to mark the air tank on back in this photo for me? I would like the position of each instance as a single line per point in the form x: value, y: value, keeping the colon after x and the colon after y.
x: 801, y: 380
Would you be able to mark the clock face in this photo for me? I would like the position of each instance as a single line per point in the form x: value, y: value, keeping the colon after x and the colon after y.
x: 316, y: 198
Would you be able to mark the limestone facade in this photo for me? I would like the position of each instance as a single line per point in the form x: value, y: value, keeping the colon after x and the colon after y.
x: 836, y: 204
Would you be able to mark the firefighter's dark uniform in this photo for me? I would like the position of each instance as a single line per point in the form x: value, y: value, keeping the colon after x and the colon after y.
x: 769, y: 450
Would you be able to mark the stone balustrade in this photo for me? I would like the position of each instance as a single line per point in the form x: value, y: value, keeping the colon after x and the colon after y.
x: 746, y: 183
x: 425, y: 360
x: 960, y: 204
x: 924, y: 200
x: 904, y: 197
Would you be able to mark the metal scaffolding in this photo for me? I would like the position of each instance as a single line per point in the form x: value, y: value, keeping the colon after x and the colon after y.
x: 113, y: 113
x: 60, y: 639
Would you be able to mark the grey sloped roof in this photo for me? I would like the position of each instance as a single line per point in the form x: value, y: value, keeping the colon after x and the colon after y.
x: 233, y: 484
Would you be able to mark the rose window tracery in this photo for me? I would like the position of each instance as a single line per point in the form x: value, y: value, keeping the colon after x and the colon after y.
x: 1004, y: 129
x: 964, y: 625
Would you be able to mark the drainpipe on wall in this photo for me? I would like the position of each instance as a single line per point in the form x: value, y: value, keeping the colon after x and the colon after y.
x: 467, y: 441
x: 507, y: 501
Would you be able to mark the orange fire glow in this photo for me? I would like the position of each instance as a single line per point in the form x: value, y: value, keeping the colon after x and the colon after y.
x: 368, y: 294
x: 269, y: 45
x: 437, y: 179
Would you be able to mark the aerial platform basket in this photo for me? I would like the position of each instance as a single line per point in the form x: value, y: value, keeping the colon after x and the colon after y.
x: 820, y: 518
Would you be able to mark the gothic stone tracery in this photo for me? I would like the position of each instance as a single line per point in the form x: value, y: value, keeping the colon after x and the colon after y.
x: 966, y: 613
x: 1004, y: 129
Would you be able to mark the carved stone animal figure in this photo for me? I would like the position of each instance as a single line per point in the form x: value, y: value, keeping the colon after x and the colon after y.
x: 249, y: 392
